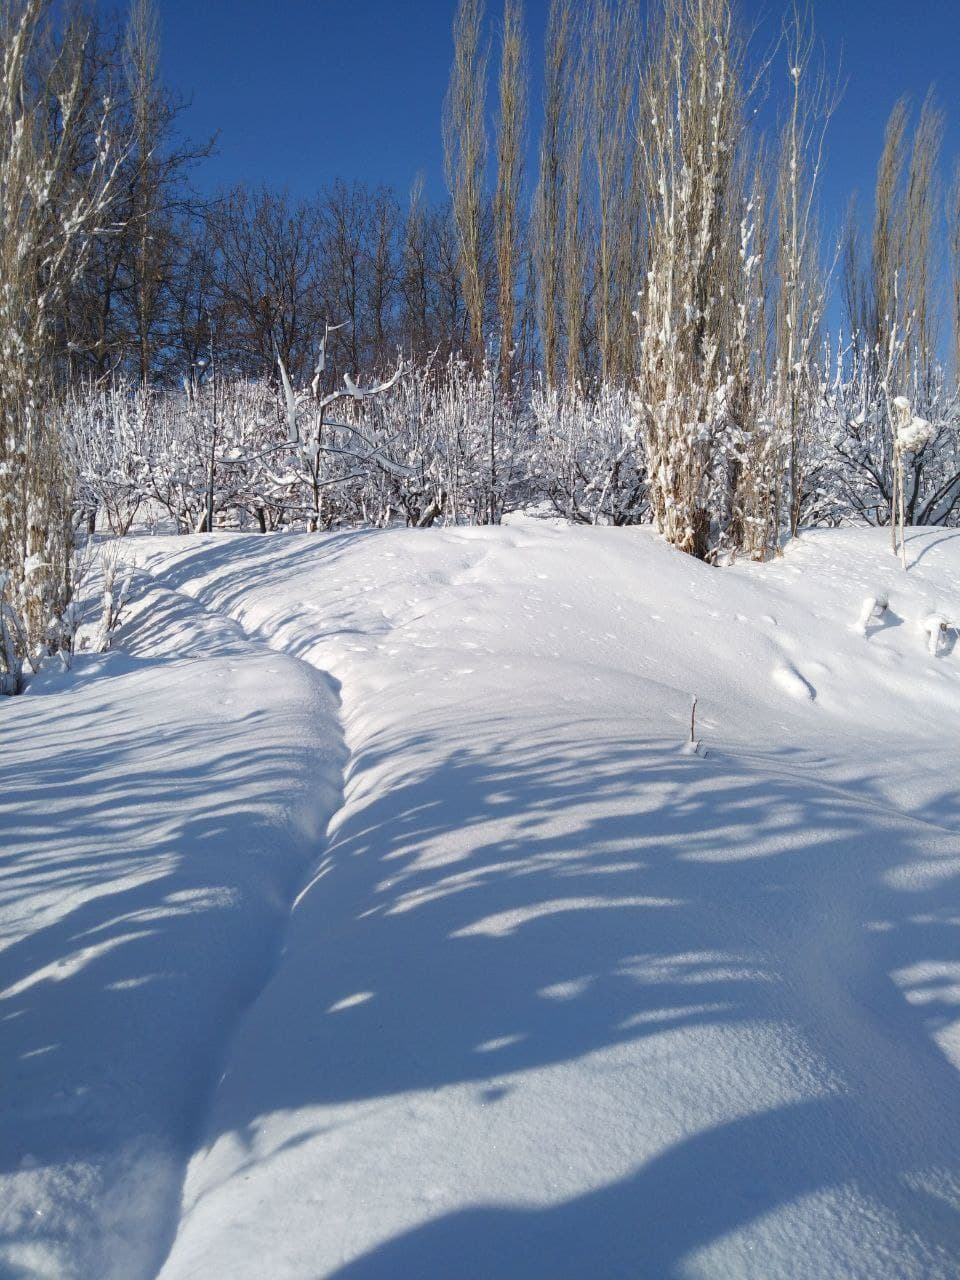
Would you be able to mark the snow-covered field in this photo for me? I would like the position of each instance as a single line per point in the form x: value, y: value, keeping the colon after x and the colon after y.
x: 552, y: 996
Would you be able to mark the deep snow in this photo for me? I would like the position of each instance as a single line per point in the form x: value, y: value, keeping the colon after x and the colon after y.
x: 555, y: 998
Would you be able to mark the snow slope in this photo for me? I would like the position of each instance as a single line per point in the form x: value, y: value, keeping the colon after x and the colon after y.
x: 555, y: 997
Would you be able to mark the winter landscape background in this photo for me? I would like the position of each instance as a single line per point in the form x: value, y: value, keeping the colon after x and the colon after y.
x: 478, y: 775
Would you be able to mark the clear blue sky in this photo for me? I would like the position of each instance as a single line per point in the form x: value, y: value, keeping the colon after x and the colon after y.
x: 304, y: 91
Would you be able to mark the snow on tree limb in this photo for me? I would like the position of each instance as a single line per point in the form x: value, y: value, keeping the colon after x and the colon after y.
x: 363, y: 393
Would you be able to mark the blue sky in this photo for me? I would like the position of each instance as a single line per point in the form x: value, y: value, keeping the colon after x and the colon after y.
x: 305, y: 91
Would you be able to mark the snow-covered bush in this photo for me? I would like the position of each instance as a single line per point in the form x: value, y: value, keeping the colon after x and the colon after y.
x: 935, y: 626
x: 587, y: 458
x: 873, y: 609
x: 109, y: 434
x: 116, y: 576
x: 443, y: 443
x: 850, y: 446
x: 424, y: 445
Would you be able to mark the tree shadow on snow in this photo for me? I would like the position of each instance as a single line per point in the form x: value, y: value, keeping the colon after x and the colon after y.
x: 482, y: 909
x: 146, y: 875
x: 626, y: 891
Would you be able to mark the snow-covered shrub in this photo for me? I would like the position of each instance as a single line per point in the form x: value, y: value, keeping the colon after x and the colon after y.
x: 873, y: 609
x: 67, y: 626
x: 110, y: 435
x: 935, y: 626
x: 586, y: 457
x: 850, y: 445
x: 116, y: 577
x: 459, y: 447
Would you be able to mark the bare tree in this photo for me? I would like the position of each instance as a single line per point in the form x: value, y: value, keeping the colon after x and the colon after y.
x: 465, y: 154
x: 802, y: 291
x: 613, y: 64
x: 344, y: 255
x: 894, y: 293
x: 953, y: 219
x: 269, y: 261
x: 886, y: 257
x: 511, y: 128
x: 549, y: 198
x: 197, y: 318
x: 382, y: 292
x: 453, y: 316
x: 122, y: 314
x: 142, y: 55
x: 854, y: 280
x: 51, y: 205
x: 416, y: 276
x: 921, y: 205
x: 576, y: 224
x: 751, y: 489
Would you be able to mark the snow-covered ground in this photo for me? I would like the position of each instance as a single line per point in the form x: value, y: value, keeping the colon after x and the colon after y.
x: 552, y: 997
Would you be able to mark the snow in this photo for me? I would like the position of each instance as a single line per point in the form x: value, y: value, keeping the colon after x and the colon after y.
x: 552, y: 996
x: 158, y: 810
x: 915, y: 434
x: 936, y: 627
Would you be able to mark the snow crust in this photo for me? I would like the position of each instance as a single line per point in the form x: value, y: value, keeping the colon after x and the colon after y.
x: 553, y: 996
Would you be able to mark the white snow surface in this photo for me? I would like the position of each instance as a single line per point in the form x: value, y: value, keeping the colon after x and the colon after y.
x: 551, y: 996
